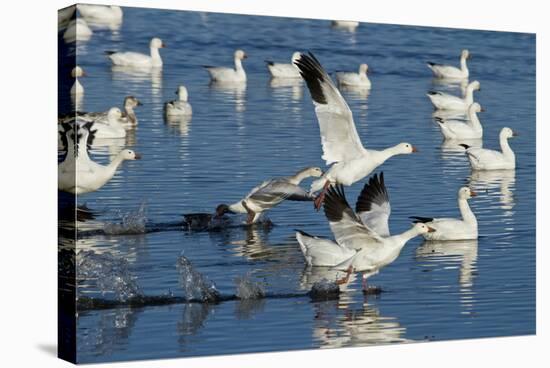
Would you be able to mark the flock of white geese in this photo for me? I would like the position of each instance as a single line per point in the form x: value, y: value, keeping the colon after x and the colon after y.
x: 362, y: 241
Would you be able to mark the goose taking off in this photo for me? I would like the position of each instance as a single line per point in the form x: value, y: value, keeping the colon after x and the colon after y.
x: 281, y: 70
x: 455, y: 129
x: 77, y: 173
x: 342, y: 146
x: 139, y: 60
x: 357, y: 248
x: 452, y: 72
x: 222, y: 74
x: 446, y: 101
x: 351, y: 79
x: 486, y: 159
x: 272, y: 192
x: 451, y: 228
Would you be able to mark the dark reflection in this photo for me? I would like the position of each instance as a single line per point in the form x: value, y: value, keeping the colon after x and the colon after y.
x: 444, y: 253
x: 501, y: 181
x: 136, y: 74
x: 234, y: 92
x: 247, y: 308
x: 193, y: 318
x: 292, y: 87
x: 358, y: 93
x: 339, y: 324
x: 108, y: 331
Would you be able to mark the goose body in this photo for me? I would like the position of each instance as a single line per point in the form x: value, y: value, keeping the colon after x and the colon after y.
x: 451, y: 228
x: 222, y: 74
x: 127, y: 118
x: 179, y: 107
x: 340, y: 141
x: 455, y: 129
x: 280, y: 70
x: 272, y: 192
x: 138, y: 60
x: 446, y: 101
x: 100, y: 13
x: 486, y: 159
x: 452, y: 72
x: 351, y: 79
x: 77, y: 30
x: 77, y: 173
x: 348, y: 25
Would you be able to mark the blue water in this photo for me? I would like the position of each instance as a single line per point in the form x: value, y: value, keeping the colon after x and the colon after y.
x: 240, y: 137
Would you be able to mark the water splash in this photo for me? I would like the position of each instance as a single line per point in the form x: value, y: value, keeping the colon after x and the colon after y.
x: 132, y: 222
x: 324, y: 290
x: 247, y: 289
x: 196, y: 286
x: 110, y: 274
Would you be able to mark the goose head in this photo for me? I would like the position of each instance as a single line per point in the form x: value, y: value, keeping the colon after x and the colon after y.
x: 363, y: 68
x: 421, y: 228
x: 131, y: 102
x: 182, y: 93
x: 475, y: 107
x: 465, y: 54
x: 240, y: 55
x: 315, y: 172
x: 128, y: 154
x: 474, y: 86
x: 295, y: 57
x: 466, y: 193
x: 507, y: 133
x: 222, y: 209
x: 78, y: 72
x: 405, y: 148
x: 114, y: 114
x: 156, y: 43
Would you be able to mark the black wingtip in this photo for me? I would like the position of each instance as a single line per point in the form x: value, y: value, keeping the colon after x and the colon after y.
x: 373, y: 192
x: 431, y: 64
x: 466, y: 147
x: 417, y: 219
x: 431, y: 93
x: 109, y: 52
x: 335, y: 203
x: 439, y: 120
x: 303, y: 233
x: 269, y: 62
x: 314, y: 74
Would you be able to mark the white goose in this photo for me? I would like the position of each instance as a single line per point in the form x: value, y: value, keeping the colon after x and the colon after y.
x: 455, y: 129
x: 77, y: 30
x: 272, y: 192
x: 138, y: 60
x: 128, y: 118
x: 280, y: 70
x: 451, y: 228
x: 100, y: 13
x: 348, y: 25
x: 77, y: 90
x: 339, y: 138
x: 351, y: 79
x: 357, y: 248
x: 179, y: 107
x: 486, y: 159
x: 110, y: 127
x: 452, y: 72
x: 222, y: 74
x: 446, y: 101
x: 78, y: 174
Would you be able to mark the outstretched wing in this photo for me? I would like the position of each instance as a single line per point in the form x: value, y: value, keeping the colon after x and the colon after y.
x: 339, y: 136
x: 373, y: 205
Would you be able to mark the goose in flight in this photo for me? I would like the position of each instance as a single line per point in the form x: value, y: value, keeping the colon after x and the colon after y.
x: 357, y: 247
x: 452, y: 72
x: 271, y: 193
x: 341, y: 144
x: 451, y: 228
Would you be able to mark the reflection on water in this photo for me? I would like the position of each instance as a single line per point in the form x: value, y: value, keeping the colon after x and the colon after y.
x: 451, y: 84
x: 181, y: 123
x: 138, y: 75
x: 234, y: 92
x: 502, y: 181
x: 312, y: 275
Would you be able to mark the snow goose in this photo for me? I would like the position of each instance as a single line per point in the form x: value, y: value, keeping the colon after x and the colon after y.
x: 357, y: 248
x: 280, y: 70
x: 351, y: 79
x: 222, y: 74
x: 446, y: 101
x: 452, y: 72
x: 471, y: 129
x: 102, y: 14
x: 77, y: 173
x: 77, y: 30
x: 138, y: 60
x: 486, y: 159
x: 348, y: 25
x: 180, y: 106
x: 339, y: 138
x: 111, y: 127
x: 451, y: 228
x: 128, y: 118
x: 77, y: 89
x: 64, y: 16
x: 272, y: 192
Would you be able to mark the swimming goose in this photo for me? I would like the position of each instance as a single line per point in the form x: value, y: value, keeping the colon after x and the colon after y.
x: 486, y: 159
x: 341, y: 143
x: 446, y: 101
x: 100, y: 13
x: 357, y: 248
x: 180, y: 106
x: 452, y: 72
x: 128, y: 118
x: 280, y: 70
x: 138, y: 60
x: 110, y: 127
x: 351, y: 79
x: 229, y: 75
x: 77, y: 89
x: 455, y: 129
x: 451, y: 228
x: 77, y: 30
x: 272, y: 192
x: 78, y: 174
